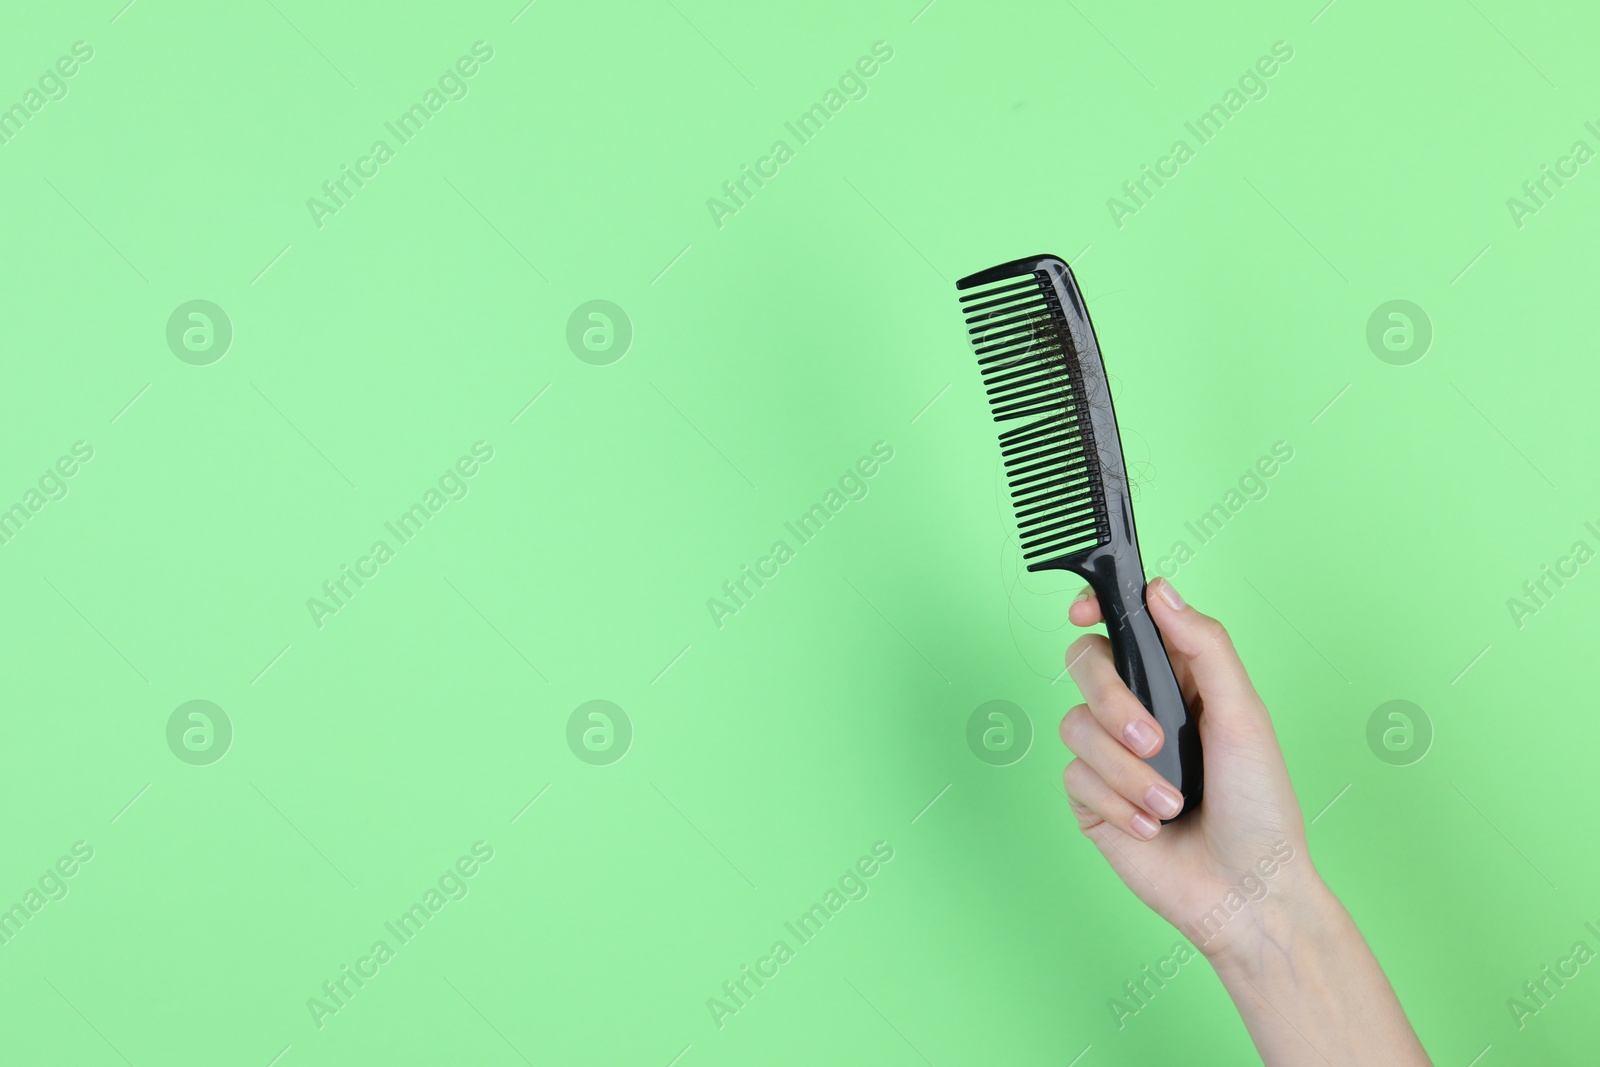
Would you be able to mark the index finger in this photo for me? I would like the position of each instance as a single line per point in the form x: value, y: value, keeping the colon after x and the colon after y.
x: 1108, y: 699
x: 1085, y: 609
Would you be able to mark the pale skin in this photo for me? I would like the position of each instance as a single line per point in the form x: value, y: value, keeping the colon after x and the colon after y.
x: 1308, y: 987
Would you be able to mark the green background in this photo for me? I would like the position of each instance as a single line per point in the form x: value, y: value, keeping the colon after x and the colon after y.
x: 767, y: 355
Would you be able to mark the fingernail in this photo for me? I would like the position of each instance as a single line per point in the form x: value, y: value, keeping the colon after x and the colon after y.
x: 1141, y: 736
x: 1144, y: 826
x: 1170, y: 595
x: 1081, y: 597
x: 1164, y: 802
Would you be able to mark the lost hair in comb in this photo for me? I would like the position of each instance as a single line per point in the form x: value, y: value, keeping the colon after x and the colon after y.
x: 1039, y: 358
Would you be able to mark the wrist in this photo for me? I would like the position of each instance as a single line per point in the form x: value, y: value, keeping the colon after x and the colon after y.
x: 1309, y: 988
x: 1293, y: 917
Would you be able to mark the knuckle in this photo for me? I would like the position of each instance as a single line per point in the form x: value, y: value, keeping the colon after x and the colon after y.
x: 1079, y: 654
x: 1216, y: 634
x: 1073, y: 779
x: 1078, y: 648
x: 1072, y: 725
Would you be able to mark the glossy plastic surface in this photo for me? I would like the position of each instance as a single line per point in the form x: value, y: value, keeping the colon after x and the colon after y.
x: 1114, y: 569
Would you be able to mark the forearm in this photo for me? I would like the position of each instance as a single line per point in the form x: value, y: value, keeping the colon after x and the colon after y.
x: 1311, y: 992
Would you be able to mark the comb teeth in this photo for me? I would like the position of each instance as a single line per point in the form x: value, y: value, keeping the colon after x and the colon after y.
x: 1030, y: 369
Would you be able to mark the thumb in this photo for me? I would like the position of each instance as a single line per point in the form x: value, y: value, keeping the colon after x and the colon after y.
x: 1202, y: 641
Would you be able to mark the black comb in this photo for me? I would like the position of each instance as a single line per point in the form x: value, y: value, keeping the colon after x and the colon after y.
x: 1041, y: 362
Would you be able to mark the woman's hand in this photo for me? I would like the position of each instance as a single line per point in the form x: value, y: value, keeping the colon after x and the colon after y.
x: 1235, y: 876
x: 1247, y: 839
